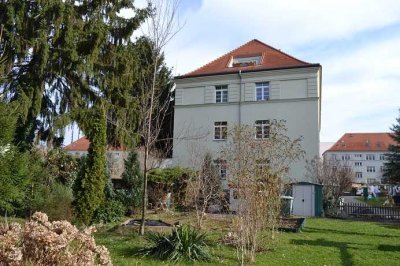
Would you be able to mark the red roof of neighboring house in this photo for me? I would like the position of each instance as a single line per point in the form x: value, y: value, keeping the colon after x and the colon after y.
x: 363, y: 142
x: 271, y: 58
x: 83, y: 143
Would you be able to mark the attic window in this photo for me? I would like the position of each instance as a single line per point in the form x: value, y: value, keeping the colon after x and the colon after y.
x: 243, y: 61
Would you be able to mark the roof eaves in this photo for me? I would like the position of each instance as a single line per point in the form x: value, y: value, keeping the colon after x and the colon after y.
x: 243, y: 71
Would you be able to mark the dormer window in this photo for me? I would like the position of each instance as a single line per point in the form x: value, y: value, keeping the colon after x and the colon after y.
x: 244, y: 61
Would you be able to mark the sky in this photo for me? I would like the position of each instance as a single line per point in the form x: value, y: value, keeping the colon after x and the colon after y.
x: 357, y: 42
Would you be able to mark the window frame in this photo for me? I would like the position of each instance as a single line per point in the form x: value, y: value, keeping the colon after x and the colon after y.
x: 222, y: 91
x: 220, y: 130
x: 221, y: 167
x: 264, y: 126
x: 265, y: 91
x: 371, y: 169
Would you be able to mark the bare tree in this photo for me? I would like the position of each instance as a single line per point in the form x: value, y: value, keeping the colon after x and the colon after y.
x: 162, y: 25
x: 336, y: 178
x: 258, y: 164
x: 204, y: 186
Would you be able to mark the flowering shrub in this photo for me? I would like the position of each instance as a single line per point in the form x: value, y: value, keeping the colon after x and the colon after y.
x: 41, y: 242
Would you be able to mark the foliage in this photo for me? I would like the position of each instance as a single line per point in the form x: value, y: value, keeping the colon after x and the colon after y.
x: 41, y: 242
x: 90, y: 184
x: 111, y: 211
x: 184, y: 243
x: 165, y: 180
x: 8, y: 123
x: 257, y: 170
x: 335, y: 177
x: 15, y: 178
x: 392, y: 166
x: 62, y: 167
x: 131, y: 191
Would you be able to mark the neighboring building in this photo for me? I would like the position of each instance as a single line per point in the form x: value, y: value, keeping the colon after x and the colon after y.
x: 364, y: 153
x: 253, y: 85
x: 115, y: 157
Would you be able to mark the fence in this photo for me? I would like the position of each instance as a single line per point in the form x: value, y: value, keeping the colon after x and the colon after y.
x: 361, y: 210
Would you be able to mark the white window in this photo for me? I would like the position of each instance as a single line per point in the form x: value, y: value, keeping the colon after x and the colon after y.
x: 262, y: 129
x: 382, y: 157
x: 358, y: 163
x: 220, y: 130
x: 262, y: 91
x: 333, y: 156
x: 345, y: 157
x: 370, y: 157
x: 359, y: 174
x: 243, y: 61
x: 370, y: 169
x: 221, y: 167
x: 221, y: 94
x: 358, y: 155
x: 382, y: 168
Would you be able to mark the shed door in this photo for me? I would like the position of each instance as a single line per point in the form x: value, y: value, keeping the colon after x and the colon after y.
x: 303, y: 203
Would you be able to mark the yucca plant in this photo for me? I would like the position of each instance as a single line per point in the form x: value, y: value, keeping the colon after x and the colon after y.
x: 184, y: 243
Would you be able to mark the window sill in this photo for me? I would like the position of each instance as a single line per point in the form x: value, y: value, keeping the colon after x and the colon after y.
x: 219, y: 139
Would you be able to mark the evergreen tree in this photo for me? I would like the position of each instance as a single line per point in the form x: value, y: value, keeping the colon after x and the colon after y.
x: 392, y: 167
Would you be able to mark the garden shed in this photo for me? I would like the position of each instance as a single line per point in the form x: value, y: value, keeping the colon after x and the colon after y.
x: 307, y: 199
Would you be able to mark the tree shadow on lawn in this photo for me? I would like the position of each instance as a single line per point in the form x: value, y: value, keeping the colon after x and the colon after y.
x: 391, y: 248
x: 319, y: 231
x: 345, y: 256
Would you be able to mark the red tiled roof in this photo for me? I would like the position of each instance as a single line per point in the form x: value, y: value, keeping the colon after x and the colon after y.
x: 271, y: 58
x: 83, y: 143
x: 363, y: 142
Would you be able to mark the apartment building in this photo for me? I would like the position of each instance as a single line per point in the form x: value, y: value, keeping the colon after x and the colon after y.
x: 364, y: 153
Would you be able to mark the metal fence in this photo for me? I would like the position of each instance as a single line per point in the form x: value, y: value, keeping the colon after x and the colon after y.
x: 361, y: 210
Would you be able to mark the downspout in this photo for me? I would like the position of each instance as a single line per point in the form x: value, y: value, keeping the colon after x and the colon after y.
x: 240, y: 97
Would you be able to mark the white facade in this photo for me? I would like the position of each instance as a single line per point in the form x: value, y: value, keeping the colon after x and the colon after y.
x: 367, y: 166
x: 294, y: 95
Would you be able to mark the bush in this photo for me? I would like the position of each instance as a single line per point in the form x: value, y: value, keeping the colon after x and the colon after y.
x: 184, y: 242
x: 111, y: 211
x: 41, y: 242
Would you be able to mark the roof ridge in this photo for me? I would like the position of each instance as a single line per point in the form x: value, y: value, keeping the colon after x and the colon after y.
x: 278, y: 50
x: 231, y: 51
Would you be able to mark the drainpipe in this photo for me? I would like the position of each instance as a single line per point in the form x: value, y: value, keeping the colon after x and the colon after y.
x: 240, y: 97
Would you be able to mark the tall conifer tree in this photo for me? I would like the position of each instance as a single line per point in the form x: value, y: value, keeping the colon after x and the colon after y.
x: 392, y: 167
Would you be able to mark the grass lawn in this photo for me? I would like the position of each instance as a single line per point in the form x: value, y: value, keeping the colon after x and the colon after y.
x: 322, y: 242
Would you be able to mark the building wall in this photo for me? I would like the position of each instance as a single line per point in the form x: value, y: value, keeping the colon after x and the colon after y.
x: 353, y: 159
x: 294, y: 97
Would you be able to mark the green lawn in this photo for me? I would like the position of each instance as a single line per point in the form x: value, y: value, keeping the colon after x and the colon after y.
x: 322, y: 242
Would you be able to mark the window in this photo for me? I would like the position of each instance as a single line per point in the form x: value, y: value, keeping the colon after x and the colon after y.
x: 262, y: 91
x: 221, y: 94
x: 370, y: 157
x: 221, y: 167
x: 382, y: 168
x: 358, y: 163
x: 220, y: 130
x: 358, y: 155
x: 262, y: 129
x: 345, y: 157
x: 333, y: 156
x: 243, y: 61
x: 371, y: 169
x: 382, y: 157
x: 359, y: 174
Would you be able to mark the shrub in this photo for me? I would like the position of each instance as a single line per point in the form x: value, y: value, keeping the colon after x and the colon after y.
x: 110, y: 211
x: 41, y: 242
x: 184, y: 242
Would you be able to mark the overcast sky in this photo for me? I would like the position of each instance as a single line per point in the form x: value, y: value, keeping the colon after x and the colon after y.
x: 356, y: 42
